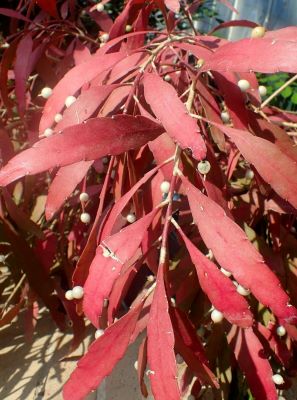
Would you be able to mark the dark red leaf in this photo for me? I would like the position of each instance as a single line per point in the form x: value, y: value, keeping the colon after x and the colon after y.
x: 49, y: 6
x: 107, y: 135
x: 253, y: 362
x: 219, y: 289
x: 102, y: 356
x: 161, y: 356
x: 236, y: 254
x: 172, y: 113
x: 105, y: 269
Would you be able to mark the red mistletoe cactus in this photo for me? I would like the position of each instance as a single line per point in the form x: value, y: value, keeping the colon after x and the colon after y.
x: 184, y: 228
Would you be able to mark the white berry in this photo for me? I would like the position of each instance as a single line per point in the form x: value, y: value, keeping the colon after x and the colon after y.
x: 69, y: 295
x: 69, y: 101
x: 2, y: 258
x: 278, y: 379
x: 128, y: 28
x: 104, y: 38
x: 242, y: 291
x: 165, y: 187
x: 131, y: 218
x: 48, y: 132
x: 203, y: 167
x: 225, y: 117
x: 216, y: 316
x: 105, y: 160
x: 5, y: 45
x: 179, y: 359
x: 225, y: 272
x: 262, y: 90
x: 150, y: 278
x: 100, y: 7
x: 249, y: 174
x: 46, y: 92
x: 85, y: 218
x: 281, y: 331
x: 84, y: 197
x: 243, y: 85
x: 99, y: 333
x: 58, y: 117
x: 167, y: 78
x: 258, y: 32
x: 77, y: 292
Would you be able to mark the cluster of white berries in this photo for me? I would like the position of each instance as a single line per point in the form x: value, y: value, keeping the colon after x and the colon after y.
x: 46, y: 92
x: 99, y: 333
x: 84, y: 197
x: 76, y: 293
x: 203, y: 167
x: 69, y: 101
x: 165, y: 187
x: 262, y: 90
x: 131, y: 218
x: 225, y: 117
x: 243, y: 85
x: 281, y: 331
x: 258, y: 32
x: 48, y: 132
x: 100, y: 7
x: 216, y: 316
x: 278, y: 379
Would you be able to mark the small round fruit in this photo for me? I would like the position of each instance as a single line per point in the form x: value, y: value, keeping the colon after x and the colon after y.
x: 99, y: 333
x: 131, y: 218
x: 242, y: 290
x: 48, y: 132
x: 78, y: 292
x: 2, y: 258
x: 226, y: 273
x: 281, y: 331
x: 104, y: 38
x: 69, y: 295
x: 5, y: 45
x: 150, y: 278
x: 165, y: 187
x: 225, y: 117
x: 46, y: 92
x: 58, y: 117
x: 216, y: 316
x: 136, y: 365
x: 105, y: 160
x: 128, y: 28
x: 179, y: 359
x: 258, y: 32
x: 278, y: 379
x: 243, y: 85
x: 167, y: 78
x: 100, y: 7
x: 85, y: 218
x: 249, y: 174
x: 262, y: 90
x: 69, y: 101
x: 84, y: 197
x: 203, y: 167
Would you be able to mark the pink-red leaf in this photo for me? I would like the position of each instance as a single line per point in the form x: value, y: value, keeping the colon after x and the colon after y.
x: 252, y: 361
x: 105, y: 269
x: 161, y: 356
x: 63, y: 184
x: 276, y: 168
x: 235, y: 253
x: 266, y: 55
x: 102, y: 356
x: 72, y: 82
x: 219, y: 289
x: 172, y: 113
x: 106, y: 136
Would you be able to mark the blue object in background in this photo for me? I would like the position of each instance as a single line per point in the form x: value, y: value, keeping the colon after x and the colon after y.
x: 273, y: 14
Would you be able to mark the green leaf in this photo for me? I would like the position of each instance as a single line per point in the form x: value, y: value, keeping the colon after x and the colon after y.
x: 287, y: 92
x: 294, y: 98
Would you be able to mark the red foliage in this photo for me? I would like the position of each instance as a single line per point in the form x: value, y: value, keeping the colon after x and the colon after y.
x: 184, y: 209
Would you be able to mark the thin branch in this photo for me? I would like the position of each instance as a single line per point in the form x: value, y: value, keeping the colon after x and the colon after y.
x: 279, y: 90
